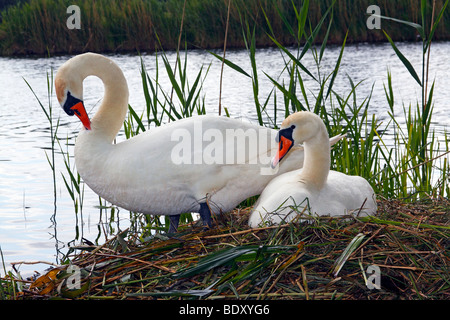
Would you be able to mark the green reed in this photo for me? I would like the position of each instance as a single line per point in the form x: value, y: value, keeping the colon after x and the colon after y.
x: 415, y: 166
x: 8, y: 285
x: 48, y: 111
x: 39, y: 26
x: 420, y: 143
x: 71, y: 178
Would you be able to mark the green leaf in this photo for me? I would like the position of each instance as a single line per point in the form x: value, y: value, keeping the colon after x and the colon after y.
x: 403, y: 59
x: 301, y: 18
x: 137, y: 118
x: 217, y: 259
x: 231, y: 64
x: 325, y: 39
x: 287, y: 93
x: 373, y: 219
x: 69, y: 189
x: 423, y: 8
x: 72, y: 177
x: 426, y: 116
x: 229, y: 255
x: 144, y: 78
x: 389, y: 92
x: 336, y: 68
x: 173, y: 81
x: 311, y: 39
x: 194, y: 87
x: 292, y: 57
x: 416, y: 26
x: 39, y: 101
x: 286, y: 22
x: 352, y: 246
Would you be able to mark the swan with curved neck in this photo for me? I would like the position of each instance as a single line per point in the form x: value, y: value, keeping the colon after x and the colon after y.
x: 314, y: 188
x: 139, y: 174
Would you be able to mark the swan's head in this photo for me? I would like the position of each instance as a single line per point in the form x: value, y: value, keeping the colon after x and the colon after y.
x: 69, y: 91
x: 295, y: 129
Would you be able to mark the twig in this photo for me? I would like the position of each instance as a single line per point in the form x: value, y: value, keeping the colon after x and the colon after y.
x: 406, y: 268
x: 317, y: 295
x: 425, y: 162
x: 245, y: 231
x: 305, y: 282
x: 150, y: 264
x: 34, y: 262
x: 371, y: 237
x: 428, y: 58
x: 178, y: 47
x: 223, y: 59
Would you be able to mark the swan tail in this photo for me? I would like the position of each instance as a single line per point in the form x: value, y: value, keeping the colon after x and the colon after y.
x: 335, y: 139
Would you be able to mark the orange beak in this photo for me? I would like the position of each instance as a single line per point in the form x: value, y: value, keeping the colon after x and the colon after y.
x: 284, y: 146
x: 80, y: 112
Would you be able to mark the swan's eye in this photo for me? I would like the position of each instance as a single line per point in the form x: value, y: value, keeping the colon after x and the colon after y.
x: 293, y: 127
x: 70, y: 102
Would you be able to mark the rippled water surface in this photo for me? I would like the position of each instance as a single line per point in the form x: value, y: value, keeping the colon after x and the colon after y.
x: 32, y: 228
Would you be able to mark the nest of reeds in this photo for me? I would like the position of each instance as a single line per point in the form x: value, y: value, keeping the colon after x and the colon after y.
x: 401, y: 253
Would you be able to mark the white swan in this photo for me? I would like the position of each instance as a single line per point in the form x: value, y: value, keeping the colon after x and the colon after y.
x: 144, y: 174
x: 314, y: 188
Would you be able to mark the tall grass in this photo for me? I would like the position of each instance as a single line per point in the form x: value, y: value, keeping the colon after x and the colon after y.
x: 48, y: 111
x: 39, y: 26
x: 420, y: 142
x: 417, y: 166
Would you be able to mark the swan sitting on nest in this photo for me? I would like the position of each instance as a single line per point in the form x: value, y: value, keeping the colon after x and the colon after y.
x: 314, y: 188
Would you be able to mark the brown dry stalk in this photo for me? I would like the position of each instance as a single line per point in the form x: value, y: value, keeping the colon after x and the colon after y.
x: 245, y: 231
x: 150, y: 264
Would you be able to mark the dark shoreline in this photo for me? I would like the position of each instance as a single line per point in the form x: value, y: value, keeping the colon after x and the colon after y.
x: 39, y: 27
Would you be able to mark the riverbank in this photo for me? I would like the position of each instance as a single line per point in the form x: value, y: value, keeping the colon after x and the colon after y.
x: 44, y: 27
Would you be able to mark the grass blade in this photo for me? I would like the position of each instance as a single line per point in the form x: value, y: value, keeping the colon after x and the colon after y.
x: 173, y: 81
x: 287, y: 93
x: 193, y: 89
x: 353, y: 245
x: 226, y: 256
x: 301, y: 18
x: 325, y: 39
x: 403, y: 59
x: 292, y: 57
x: 311, y: 39
x: 336, y: 68
x: 416, y: 26
x: 137, y: 118
x: 231, y: 65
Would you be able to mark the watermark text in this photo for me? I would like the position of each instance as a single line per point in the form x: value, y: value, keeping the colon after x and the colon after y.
x: 374, y: 20
x: 74, y: 20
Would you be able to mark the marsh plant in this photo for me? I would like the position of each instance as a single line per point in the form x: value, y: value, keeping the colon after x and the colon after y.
x: 67, y: 26
x: 413, y: 167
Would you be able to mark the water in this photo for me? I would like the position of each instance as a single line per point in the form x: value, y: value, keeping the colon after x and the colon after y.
x: 33, y: 229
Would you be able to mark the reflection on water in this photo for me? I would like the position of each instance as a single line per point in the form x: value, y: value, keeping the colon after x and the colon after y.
x: 32, y: 228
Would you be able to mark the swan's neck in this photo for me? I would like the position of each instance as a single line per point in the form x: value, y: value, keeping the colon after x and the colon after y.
x: 110, y: 116
x: 317, y: 160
